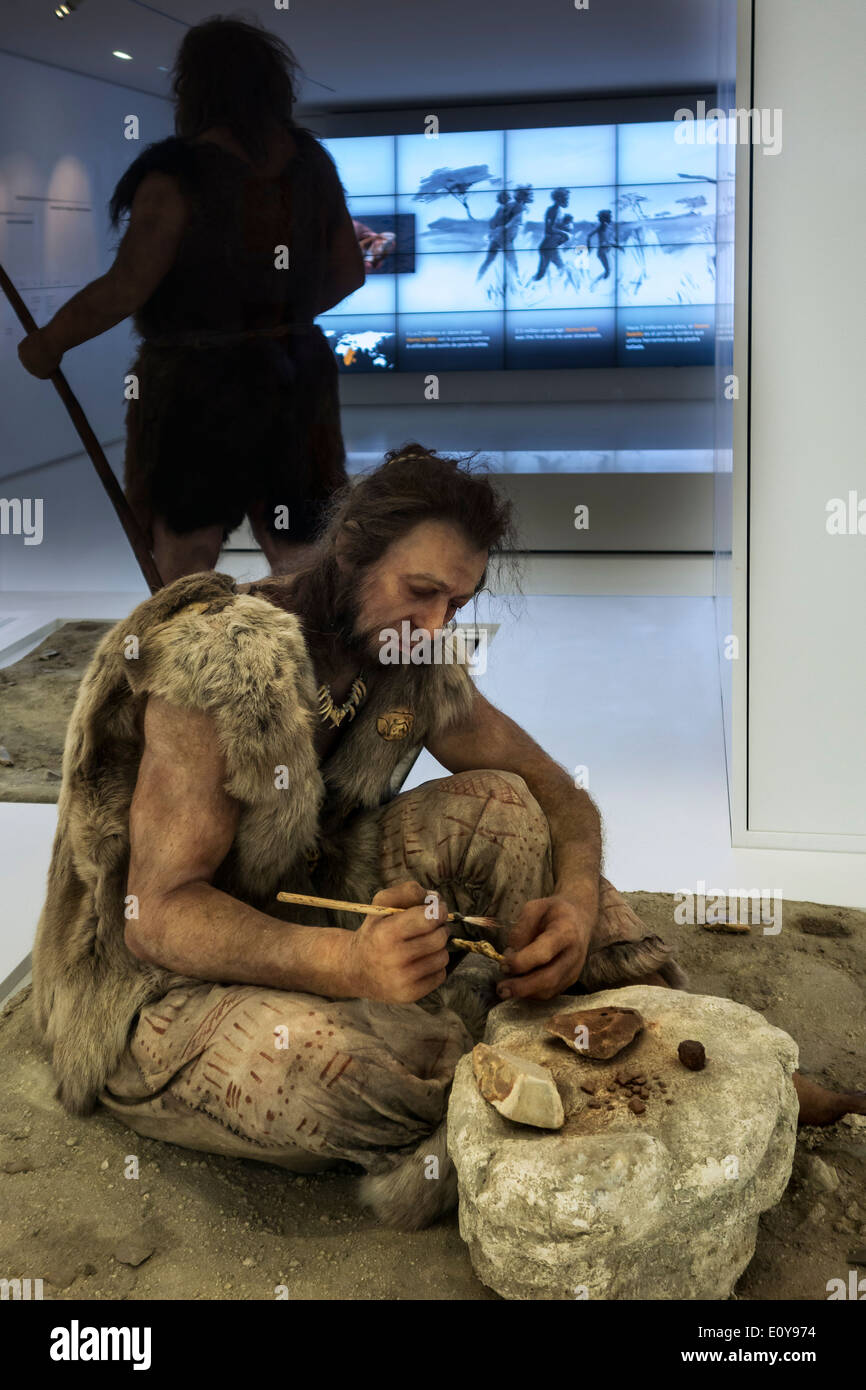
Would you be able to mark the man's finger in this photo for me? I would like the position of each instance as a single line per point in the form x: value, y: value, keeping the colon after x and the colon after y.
x: 408, y: 894
x: 539, y: 952
x: 541, y: 984
x: 425, y: 945
x: 430, y: 965
x: 527, y: 924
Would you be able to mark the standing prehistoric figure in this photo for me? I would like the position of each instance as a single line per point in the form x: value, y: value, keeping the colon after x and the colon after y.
x: 238, y: 237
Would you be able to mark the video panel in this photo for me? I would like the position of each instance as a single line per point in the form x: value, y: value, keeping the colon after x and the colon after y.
x: 571, y: 246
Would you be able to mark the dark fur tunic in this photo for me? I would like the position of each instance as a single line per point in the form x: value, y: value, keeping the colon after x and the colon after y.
x: 220, y: 426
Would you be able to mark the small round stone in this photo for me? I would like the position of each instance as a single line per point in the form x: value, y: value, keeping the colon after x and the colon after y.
x: 692, y: 1054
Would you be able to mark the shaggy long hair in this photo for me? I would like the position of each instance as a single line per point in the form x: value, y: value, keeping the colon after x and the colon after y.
x: 364, y: 518
x: 228, y: 72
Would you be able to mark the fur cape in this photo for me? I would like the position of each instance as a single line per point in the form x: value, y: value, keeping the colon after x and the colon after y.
x: 201, y: 645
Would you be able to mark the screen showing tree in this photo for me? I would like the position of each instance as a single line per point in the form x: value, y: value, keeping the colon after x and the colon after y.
x: 572, y: 246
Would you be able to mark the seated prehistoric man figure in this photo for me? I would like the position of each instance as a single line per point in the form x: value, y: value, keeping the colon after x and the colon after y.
x: 207, y: 767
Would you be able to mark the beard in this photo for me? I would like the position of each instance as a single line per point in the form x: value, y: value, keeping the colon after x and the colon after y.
x: 359, y: 642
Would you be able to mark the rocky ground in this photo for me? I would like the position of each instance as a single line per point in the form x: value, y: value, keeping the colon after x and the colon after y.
x: 36, y: 698
x: 205, y: 1227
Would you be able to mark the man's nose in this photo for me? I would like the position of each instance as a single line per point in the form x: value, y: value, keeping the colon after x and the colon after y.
x: 431, y: 617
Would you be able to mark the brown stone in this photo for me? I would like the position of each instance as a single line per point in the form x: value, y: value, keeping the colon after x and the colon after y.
x: 588, y: 1087
x: 608, y: 1031
x: 692, y: 1055
x: 637, y: 1106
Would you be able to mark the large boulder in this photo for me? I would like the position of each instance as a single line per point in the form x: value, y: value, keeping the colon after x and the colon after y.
x: 654, y: 1185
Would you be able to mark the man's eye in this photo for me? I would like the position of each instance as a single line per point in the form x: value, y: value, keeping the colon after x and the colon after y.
x: 423, y: 593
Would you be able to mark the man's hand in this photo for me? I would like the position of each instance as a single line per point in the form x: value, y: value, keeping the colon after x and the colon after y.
x: 546, y: 950
x: 36, y: 353
x: 400, y: 957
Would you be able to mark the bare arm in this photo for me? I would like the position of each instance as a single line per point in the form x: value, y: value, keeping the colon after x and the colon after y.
x: 490, y: 739
x: 147, y: 252
x: 182, y: 824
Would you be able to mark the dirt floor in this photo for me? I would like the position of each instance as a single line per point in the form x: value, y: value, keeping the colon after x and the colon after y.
x: 36, y: 698
x: 203, y: 1227
x: 199, y: 1226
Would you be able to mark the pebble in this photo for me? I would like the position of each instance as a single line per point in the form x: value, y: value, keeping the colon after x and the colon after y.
x: 588, y: 1087
x: 594, y: 1104
x: 104, y: 1164
x: 692, y: 1054
x: 70, y: 1142
x: 637, y: 1106
x: 6, y: 757
x: 248, y: 1263
x: 134, y: 1250
x: 821, y: 1174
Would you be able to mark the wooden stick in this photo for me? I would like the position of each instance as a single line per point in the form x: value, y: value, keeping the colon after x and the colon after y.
x: 125, y: 514
x: 481, y: 948
x: 367, y: 908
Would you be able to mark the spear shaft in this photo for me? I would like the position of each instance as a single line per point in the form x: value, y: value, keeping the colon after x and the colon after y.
x: 125, y: 515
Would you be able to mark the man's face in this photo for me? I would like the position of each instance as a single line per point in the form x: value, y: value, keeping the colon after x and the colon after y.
x: 423, y: 579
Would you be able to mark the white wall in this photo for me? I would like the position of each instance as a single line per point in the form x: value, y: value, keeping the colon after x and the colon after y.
x: 62, y: 150
x: 800, y: 436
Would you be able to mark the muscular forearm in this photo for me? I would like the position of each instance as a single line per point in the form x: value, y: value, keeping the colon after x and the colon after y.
x: 575, y: 825
x: 575, y: 830
x: 95, y: 309
x: 198, y: 930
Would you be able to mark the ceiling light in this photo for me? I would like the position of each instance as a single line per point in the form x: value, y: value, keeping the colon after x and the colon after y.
x: 116, y: 53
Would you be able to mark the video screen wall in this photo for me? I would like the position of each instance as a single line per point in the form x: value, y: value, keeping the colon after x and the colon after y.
x: 572, y: 246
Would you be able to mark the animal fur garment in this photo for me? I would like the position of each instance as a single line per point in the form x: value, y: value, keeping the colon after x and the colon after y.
x: 407, y: 1198
x: 202, y: 646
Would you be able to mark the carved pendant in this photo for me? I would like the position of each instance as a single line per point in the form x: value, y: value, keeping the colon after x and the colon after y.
x: 395, y: 724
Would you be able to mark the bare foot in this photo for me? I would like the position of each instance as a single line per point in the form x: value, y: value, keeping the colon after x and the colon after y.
x: 818, y: 1106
